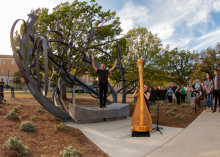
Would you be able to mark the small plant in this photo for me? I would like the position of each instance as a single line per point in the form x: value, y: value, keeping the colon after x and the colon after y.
x: 193, y: 107
x: 169, y: 113
x: 179, y: 116
x: 186, y: 111
x: 166, y: 107
x: 61, y: 127
x: 15, y: 146
x: 12, y: 115
x: 33, y: 118
x: 69, y: 152
x: 153, y: 108
x: 16, y: 109
x: 174, y: 109
x: 38, y: 110
x: 190, y: 112
x: 27, y: 126
x: 8, y: 104
x: 182, y: 106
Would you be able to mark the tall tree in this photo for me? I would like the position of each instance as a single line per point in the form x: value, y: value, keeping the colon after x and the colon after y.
x: 180, y: 66
x: 72, y: 20
x: 143, y: 44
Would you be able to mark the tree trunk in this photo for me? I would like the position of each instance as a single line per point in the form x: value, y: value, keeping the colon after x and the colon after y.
x: 64, y: 91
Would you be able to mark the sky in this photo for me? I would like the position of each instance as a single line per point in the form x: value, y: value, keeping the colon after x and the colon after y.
x: 186, y: 24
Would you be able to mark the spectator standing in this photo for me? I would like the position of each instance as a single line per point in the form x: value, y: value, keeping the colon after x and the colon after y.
x: 174, y: 92
x: 2, y: 84
x: 200, y: 95
x: 216, y: 91
x: 208, y: 87
x: 169, y: 94
x: 177, y: 91
x: 193, y: 89
x: 188, y: 90
x: 12, y: 85
x: 182, y: 93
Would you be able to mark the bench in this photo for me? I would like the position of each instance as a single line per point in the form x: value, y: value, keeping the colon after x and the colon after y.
x: 202, y: 103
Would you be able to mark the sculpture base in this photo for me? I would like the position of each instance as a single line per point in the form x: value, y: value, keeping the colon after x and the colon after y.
x: 140, y: 134
x: 115, y: 111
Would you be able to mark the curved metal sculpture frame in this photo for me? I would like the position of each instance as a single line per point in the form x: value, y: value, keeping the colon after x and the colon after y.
x: 28, y: 63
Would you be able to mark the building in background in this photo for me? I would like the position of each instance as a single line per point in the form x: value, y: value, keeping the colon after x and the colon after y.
x: 8, y: 68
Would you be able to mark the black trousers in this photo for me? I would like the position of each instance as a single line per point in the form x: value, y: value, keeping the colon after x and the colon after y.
x: 182, y: 97
x: 103, y: 87
x: 216, y: 94
x: 178, y: 98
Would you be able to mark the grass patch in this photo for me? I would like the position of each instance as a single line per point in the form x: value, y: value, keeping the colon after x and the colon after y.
x: 179, y: 116
x: 15, y: 147
x: 174, y: 109
x: 33, y: 118
x: 169, y: 113
x: 12, y: 115
x: 38, y: 110
x: 61, y: 127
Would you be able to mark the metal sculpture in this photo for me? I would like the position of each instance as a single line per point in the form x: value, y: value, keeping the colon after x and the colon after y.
x: 29, y: 65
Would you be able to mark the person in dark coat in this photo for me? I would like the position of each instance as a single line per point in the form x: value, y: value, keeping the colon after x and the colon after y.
x: 103, y: 81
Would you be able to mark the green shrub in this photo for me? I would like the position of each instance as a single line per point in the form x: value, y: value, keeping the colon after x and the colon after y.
x: 166, y: 107
x: 169, y: 113
x: 12, y: 115
x: 33, y: 118
x: 16, y: 109
x: 8, y: 104
x: 132, y: 103
x: 27, y: 126
x: 153, y: 108
x: 15, y: 146
x: 186, y: 111
x: 182, y: 106
x: 179, y: 116
x: 70, y: 152
x: 38, y: 110
x: 174, y: 109
x: 193, y: 107
x: 61, y: 127
x: 190, y: 112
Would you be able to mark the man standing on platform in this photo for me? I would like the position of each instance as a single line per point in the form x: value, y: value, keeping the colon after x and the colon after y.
x: 216, y: 90
x: 103, y: 80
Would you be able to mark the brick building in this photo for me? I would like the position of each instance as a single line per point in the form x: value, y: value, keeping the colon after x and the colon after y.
x: 8, y: 68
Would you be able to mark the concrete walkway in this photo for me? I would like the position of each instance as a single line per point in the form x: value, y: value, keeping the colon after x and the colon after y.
x: 200, y: 138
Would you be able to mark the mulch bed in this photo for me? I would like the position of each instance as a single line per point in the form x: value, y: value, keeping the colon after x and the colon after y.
x: 45, y: 141
x: 187, y: 111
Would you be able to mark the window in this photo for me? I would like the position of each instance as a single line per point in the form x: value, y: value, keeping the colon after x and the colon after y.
x: 83, y: 77
x: 12, y: 62
x: 11, y: 71
x: 3, y: 61
x: 10, y: 81
x: 2, y: 70
x: 91, y: 78
x: 118, y: 85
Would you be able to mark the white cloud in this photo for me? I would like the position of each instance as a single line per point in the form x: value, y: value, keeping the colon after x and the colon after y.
x: 131, y: 14
x: 175, y: 21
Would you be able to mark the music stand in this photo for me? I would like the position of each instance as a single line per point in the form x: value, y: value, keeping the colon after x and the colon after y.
x: 157, y: 95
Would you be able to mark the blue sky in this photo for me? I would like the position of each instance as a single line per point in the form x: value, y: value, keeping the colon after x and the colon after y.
x: 186, y: 24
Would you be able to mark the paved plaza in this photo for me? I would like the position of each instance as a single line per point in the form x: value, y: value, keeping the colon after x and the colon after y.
x: 201, y: 138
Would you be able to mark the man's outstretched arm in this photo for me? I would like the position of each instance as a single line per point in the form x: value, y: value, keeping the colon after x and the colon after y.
x: 113, y: 66
x: 93, y: 65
